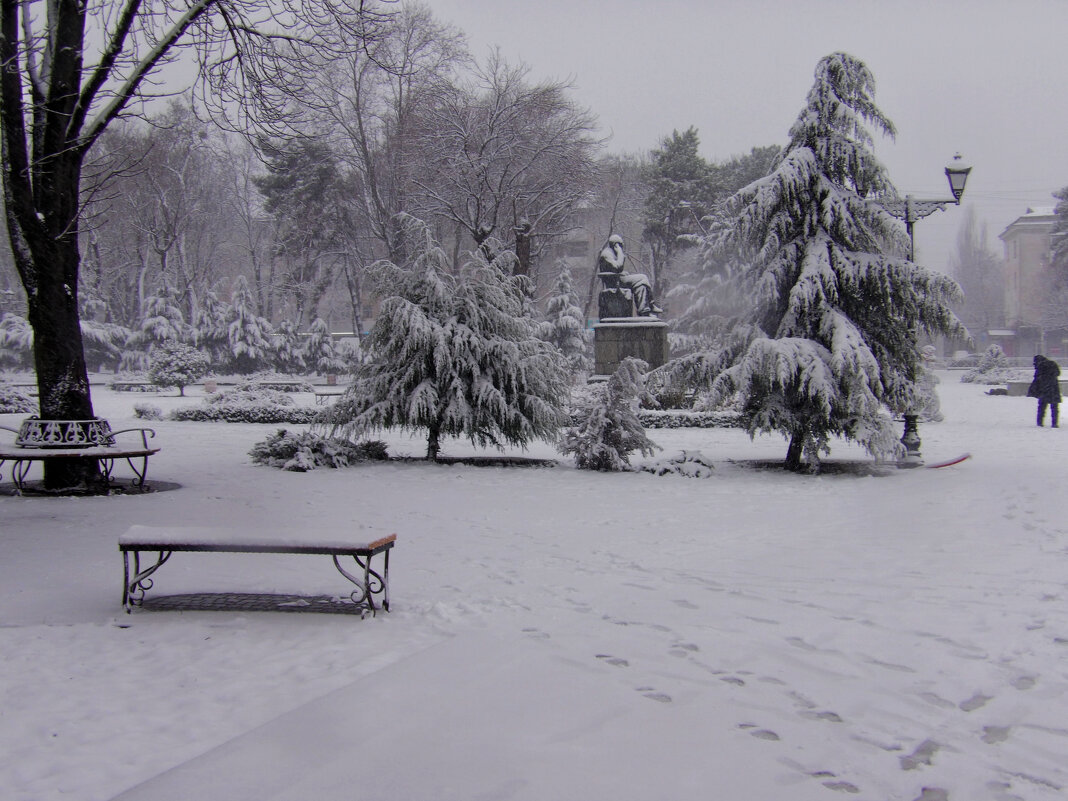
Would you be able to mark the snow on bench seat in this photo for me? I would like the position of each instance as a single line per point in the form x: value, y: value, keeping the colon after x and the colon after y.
x: 171, y: 539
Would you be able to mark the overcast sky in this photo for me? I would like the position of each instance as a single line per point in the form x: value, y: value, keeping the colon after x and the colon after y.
x: 982, y: 77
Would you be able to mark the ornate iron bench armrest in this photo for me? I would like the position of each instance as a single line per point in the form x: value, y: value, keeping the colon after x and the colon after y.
x: 146, y: 434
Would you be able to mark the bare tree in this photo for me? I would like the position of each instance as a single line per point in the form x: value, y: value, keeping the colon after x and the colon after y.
x: 981, y: 275
x: 73, y: 67
x: 503, y: 152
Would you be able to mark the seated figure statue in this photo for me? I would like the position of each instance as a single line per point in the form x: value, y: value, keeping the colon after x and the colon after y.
x: 610, y: 269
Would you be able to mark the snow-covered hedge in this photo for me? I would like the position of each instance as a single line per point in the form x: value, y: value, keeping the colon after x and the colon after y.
x: 246, y: 413
x: 302, y: 452
x: 12, y: 401
x: 248, y: 404
x: 684, y: 418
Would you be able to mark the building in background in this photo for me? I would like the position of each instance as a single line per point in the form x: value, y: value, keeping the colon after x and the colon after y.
x: 1033, y: 321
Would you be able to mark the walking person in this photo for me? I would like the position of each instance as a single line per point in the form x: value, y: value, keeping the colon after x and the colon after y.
x: 1046, y: 386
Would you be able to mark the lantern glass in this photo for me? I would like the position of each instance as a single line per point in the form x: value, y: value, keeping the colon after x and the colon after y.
x: 957, y: 174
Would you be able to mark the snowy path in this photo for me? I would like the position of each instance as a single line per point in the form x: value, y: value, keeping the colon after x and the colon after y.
x: 898, y: 638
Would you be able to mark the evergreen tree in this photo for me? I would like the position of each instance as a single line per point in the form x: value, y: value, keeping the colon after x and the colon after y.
x: 163, y: 321
x: 609, y: 430
x: 319, y: 352
x: 706, y: 295
x: 211, y: 329
x: 249, y: 334
x: 832, y: 337
x: 681, y: 191
x: 564, y: 325
x: 453, y: 355
x: 288, y: 349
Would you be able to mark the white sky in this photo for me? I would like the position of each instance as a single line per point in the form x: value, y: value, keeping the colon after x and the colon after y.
x: 982, y: 77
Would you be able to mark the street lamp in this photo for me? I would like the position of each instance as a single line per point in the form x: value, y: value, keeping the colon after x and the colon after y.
x: 911, y: 209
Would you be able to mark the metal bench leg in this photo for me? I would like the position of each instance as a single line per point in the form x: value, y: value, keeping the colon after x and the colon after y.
x: 136, y: 582
x: 19, y: 470
x: 366, y: 589
x: 140, y: 480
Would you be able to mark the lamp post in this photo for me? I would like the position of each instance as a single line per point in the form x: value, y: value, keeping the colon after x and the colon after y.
x: 909, y: 210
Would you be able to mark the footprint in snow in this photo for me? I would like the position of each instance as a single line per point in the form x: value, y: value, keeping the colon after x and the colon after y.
x: 1023, y: 682
x: 760, y: 734
x: 933, y: 794
x: 992, y: 735
x: 614, y: 661
x: 650, y: 692
x: 923, y: 755
x: 975, y: 702
x: 842, y: 787
x: 829, y: 717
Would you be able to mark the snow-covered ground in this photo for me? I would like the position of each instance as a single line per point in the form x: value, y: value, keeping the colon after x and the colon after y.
x: 756, y: 635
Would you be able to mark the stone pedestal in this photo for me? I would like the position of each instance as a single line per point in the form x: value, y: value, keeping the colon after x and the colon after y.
x: 614, y: 340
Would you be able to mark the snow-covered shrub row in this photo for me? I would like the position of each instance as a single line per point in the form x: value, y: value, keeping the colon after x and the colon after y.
x: 302, y: 452
x: 12, y: 401
x: 246, y: 413
x: 684, y: 418
x: 275, y: 381
x: 248, y: 403
x: 147, y: 411
x: 250, y: 395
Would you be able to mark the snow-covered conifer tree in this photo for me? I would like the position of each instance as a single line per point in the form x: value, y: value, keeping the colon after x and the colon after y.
x: 211, y: 329
x: 608, y: 429
x: 163, y: 321
x: 319, y: 351
x: 248, y: 333
x: 288, y: 349
x: 837, y: 306
x: 453, y: 354
x: 564, y: 325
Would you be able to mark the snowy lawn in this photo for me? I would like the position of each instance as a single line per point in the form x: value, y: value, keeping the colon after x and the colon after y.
x: 757, y: 635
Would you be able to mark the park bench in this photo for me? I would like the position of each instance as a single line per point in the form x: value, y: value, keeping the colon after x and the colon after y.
x: 38, y: 440
x: 165, y: 541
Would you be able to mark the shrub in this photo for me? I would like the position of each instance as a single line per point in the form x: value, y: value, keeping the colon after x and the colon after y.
x: 147, y: 411
x: 993, y: 368
x: 302, y: 452
x: 608, y: 429
x: 692, y: 464
x: 175, y: 364
x: 13, y: 401
x: 682, y: 418
x: 251, y: 395
x: 246, y: 413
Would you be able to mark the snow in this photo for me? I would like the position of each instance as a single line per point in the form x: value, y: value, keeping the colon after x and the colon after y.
x: 891, y: 635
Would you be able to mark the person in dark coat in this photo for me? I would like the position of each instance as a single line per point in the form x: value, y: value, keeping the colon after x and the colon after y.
x: 1046, y: 386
